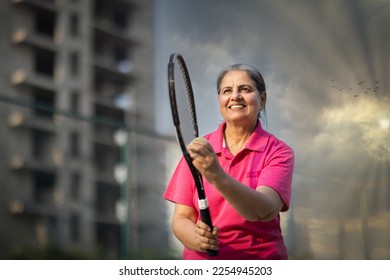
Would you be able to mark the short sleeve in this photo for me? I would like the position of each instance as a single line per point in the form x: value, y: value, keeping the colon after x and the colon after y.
x: 278, y: 172
x: 181, y: 187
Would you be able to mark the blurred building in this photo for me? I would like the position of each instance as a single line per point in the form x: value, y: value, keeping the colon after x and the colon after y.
x: 73, y: 72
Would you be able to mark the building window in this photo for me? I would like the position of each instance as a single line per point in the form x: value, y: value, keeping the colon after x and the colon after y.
x: 120, y: 54
x: 74, y: 102
x: 106, y: 198
x: 39, y: 144
x: 43, y: 183
x: 45, y: 23
x: 99, y: 45
x: 75, y: 186
x: 108, y: 237
x: 120, y: 19
x: 123, y: 64
x: 75, y: 228
x: 74, y: 64
x: 44, y: 62
x: 74, y: 25
x: 52, y: 229
x: 75, y: 144
x: 44, y: 101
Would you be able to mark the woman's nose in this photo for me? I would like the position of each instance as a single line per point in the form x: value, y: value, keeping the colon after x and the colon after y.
x: 236, y: 94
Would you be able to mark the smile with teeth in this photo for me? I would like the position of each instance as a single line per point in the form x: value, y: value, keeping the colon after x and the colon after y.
x: 237, y: 106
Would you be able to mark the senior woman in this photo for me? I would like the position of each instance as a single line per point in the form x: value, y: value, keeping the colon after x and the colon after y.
x: 247, y: 175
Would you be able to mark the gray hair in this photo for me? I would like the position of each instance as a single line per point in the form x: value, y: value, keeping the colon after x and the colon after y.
x: 252, y: 72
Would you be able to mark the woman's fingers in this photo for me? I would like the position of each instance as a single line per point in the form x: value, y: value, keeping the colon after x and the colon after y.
x: 201, y: 153
x: 200, y: 146
x: 207, y: 239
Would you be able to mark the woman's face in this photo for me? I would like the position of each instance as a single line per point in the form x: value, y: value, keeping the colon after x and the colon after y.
x: 239, y: 100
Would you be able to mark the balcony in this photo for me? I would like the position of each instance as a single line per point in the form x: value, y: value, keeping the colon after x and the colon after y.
x: 19, y: 162
x: 18, y: 119
x: 107, y: 30
x: 116, y: 72
x: 25, y: 37
x: 29, y: 208
x: 112, y: 19
x: 24, y: 77
x: 47, y: 5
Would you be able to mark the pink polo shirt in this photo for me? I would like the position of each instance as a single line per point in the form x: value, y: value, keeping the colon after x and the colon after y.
x: 265, y: 161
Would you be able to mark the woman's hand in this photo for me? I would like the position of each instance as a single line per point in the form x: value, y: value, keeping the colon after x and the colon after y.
x: 205, y: 238
x: 204, y: 159
x: 193, y: 234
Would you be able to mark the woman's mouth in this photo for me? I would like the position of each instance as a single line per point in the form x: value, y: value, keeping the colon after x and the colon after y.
x: 236, y: 106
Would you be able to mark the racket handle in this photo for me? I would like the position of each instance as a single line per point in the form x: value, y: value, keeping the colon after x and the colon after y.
x: 206, y: 218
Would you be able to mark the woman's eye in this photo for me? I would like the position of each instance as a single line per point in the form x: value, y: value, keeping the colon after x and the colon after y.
x: 245, y: 89
x: 227, y: 91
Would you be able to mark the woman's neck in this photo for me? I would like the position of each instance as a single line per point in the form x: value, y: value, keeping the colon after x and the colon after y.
x: 236, y: 137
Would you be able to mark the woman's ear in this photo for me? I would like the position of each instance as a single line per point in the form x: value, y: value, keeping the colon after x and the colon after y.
x: 263, y: 99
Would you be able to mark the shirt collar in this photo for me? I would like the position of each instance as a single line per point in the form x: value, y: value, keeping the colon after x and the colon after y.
x: 259, y: 139
x: 257, y: 142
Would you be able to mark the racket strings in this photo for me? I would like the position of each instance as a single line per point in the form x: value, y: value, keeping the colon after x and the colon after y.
x: 190, y: 95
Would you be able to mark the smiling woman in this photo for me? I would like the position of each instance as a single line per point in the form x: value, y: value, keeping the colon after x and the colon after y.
x: 247, y: 176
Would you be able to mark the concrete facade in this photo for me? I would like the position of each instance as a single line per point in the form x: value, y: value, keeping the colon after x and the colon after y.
x: 72, y: 73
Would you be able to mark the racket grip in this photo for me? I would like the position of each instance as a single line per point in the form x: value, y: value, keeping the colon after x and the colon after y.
x: 206, y: 218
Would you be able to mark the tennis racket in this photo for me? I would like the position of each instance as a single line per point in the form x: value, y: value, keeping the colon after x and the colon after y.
x: 182, y: 101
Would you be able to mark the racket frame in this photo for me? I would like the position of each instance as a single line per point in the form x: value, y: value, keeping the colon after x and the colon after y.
x: 202, y: 199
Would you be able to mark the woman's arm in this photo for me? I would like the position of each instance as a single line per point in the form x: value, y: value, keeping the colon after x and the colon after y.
x: 194, y: 235
x: 262, y: 204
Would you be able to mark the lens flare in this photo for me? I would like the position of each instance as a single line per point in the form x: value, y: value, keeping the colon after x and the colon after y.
x: 363, y: 125
x: 384, y: 123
